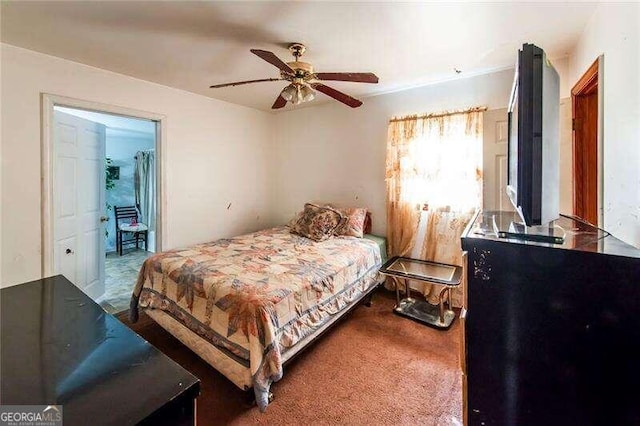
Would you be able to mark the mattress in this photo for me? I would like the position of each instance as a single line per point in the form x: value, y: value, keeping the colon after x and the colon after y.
x: 253, y: 298
x: 381, y: 242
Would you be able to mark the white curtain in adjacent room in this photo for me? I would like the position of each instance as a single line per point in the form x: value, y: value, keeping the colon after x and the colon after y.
x: 144, y: 187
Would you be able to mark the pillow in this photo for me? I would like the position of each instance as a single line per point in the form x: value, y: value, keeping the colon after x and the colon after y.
x: 318, y: 223
x: 354, y: 225
x: 296, y: 216
x: 367, y: 223
x: 293, y: 220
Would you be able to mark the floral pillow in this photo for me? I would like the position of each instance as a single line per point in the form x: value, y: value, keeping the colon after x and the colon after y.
x: 368, y: 223
x: 318, y: 223
x: 293, y: 220
x: 355, y: 223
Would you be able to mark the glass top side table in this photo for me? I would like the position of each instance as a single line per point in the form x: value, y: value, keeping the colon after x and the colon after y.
x: 441, y: 274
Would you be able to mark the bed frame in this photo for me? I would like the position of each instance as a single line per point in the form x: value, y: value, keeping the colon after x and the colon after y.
x: 365, y: 298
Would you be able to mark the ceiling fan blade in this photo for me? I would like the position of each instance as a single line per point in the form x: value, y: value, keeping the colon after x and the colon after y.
x: 337, y: 95
x: 273, y: 60
x: 239, y: 83
x: 279, y: 103
x: 357, y: 77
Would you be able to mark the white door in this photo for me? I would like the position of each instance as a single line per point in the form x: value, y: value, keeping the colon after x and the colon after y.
x: 494, y: 153
x: 79, y: 202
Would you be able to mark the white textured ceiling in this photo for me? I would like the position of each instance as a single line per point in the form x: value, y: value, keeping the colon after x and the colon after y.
x: 192, y: 45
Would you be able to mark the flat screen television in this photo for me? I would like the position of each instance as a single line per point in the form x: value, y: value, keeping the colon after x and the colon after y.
x: 533, y: 176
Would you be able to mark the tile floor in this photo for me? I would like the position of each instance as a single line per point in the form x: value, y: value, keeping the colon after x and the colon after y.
x: 121, y: 273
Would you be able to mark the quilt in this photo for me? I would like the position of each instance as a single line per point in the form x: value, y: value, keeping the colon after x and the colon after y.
x: 256, y: 295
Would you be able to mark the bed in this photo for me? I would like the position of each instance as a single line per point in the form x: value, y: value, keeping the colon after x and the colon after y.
x: 248, y: 304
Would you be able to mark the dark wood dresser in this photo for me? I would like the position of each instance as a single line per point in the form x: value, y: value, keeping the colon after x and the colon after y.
x: 552, y: 331
x: 58, y: 347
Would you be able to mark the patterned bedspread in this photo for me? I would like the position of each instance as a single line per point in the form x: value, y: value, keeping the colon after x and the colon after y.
x: 257, y: 295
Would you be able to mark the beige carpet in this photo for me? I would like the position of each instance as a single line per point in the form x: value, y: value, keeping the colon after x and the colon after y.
x: 373, y: 368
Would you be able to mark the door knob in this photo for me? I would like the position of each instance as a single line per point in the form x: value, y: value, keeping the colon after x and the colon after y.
x: 68, y: 251
x: 104, y: 219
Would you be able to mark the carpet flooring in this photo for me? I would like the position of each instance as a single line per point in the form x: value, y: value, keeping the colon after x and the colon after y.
x: 374, y: 367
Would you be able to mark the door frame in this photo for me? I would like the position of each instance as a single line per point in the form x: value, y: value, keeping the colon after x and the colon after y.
x: 593, y: 75
x: 47, y: 128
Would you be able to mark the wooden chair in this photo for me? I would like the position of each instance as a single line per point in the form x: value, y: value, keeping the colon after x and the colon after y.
x: 124, y: 215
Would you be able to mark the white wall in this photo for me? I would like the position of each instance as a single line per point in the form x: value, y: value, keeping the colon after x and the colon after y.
x: 566, y: 158
x: 337, y: 154
x: 613, y: 32
x: 562, y: 66
x: 216, y: 154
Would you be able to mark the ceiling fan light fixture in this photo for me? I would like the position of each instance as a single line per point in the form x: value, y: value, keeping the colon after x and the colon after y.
x: 298, y: 98
x: 289, y: 93
x: 307, y: 93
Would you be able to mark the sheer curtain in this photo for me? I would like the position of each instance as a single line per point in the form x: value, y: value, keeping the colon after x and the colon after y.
x: 144, y: 179
x: 433, y: 174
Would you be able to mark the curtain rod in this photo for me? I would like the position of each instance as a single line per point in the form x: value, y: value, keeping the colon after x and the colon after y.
x: 438, y: 114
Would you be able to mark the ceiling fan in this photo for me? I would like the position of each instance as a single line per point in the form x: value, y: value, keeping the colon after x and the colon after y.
x: 303, y: 80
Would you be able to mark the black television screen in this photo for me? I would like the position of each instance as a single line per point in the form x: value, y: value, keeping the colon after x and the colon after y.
x: 534, y: 138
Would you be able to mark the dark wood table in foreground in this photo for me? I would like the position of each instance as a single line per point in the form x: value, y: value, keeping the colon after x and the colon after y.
x: 58, y: 347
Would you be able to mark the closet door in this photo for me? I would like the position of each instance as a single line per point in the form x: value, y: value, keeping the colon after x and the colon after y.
x: 494, y: 152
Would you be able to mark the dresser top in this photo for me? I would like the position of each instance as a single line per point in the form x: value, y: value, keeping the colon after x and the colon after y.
x: 578, y: 235
x: 58, y: 347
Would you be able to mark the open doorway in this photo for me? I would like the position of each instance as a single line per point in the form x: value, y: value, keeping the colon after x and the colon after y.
x: 105, y: 198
